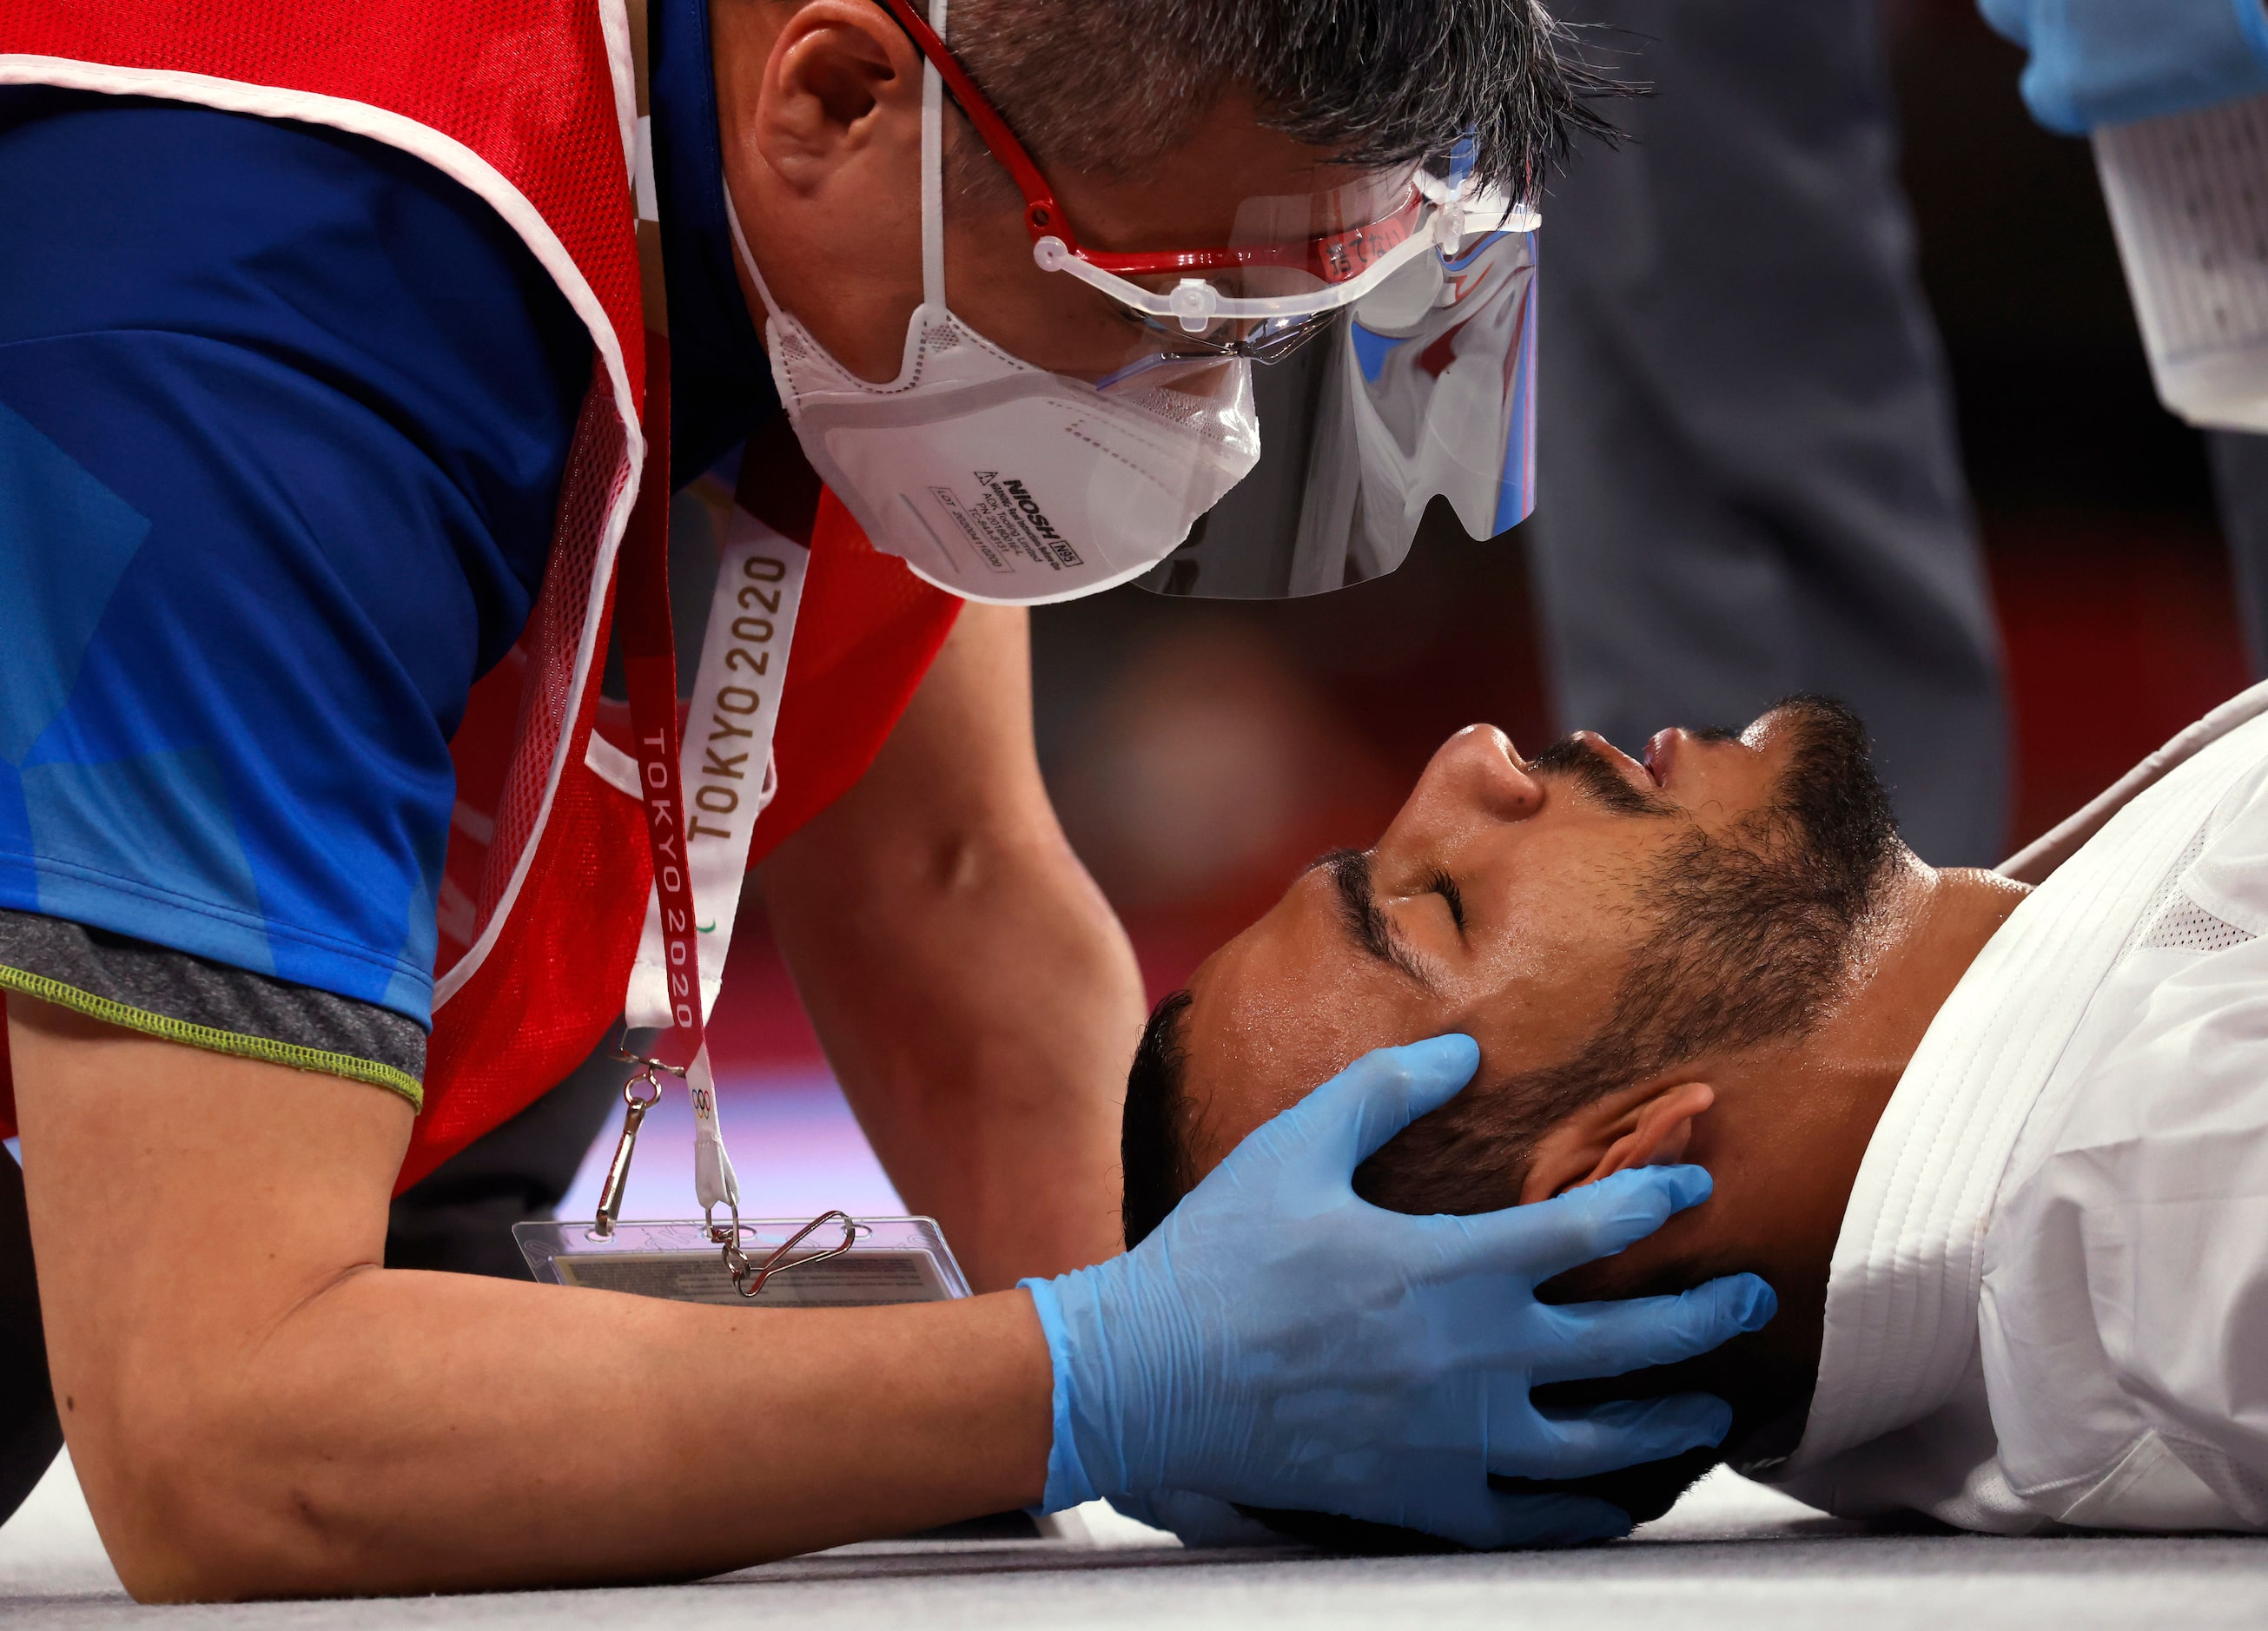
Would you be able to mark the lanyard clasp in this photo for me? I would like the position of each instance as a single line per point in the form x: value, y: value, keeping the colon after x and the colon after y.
x: 634, y: 1105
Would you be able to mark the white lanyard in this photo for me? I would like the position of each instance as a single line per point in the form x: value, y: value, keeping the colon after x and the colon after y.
x: 725, y: 770
x: 725, y: 775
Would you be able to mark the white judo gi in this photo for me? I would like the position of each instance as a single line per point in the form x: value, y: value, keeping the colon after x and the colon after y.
x: 2048, y: 1298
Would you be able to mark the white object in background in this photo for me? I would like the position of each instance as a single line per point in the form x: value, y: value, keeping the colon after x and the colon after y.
x: 2189, y: 200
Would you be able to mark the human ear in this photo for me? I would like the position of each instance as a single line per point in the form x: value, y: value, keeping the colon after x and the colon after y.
x: 1650, y: 1128
x: 841, y: 80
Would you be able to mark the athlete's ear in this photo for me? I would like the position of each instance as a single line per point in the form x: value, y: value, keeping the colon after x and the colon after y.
x: 1650, y: 1127
x: 840, y: 82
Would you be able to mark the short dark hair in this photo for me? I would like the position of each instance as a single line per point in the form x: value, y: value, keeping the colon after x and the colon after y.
x: 1111, y: 84
x: 1151, y: 1148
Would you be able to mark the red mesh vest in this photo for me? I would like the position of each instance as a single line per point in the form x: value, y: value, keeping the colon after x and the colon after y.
x: 529, y: 104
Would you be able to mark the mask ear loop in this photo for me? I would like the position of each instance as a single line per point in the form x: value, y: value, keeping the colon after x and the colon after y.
x: 747, y: 259
x: 932, y: 178
x: 932, y: 192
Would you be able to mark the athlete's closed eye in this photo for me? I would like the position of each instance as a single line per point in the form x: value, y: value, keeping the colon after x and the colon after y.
x: 1445, y: 886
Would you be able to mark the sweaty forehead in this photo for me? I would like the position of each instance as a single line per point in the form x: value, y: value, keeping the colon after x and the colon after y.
x: 1283, y: 1006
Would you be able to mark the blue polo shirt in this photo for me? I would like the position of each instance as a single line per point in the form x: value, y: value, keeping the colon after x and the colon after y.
x: 283, y: 417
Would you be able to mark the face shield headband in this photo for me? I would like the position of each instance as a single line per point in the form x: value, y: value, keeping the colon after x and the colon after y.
x: 1207, y: 302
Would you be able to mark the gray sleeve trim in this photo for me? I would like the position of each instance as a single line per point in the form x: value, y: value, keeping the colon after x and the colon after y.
x: 194, y: 1000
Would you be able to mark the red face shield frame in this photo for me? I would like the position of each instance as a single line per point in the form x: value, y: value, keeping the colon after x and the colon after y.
x: 1332, y: 258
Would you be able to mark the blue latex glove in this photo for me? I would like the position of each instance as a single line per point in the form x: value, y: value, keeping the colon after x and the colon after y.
x: 2110, y: 62
x: 1280, y: 1342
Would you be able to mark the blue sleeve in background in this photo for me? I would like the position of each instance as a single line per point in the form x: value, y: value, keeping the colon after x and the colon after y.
x: 2112, y: 62
x: 283, y: 418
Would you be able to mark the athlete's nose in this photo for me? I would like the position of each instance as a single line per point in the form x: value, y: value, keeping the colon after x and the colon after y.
x: 1475, y: 779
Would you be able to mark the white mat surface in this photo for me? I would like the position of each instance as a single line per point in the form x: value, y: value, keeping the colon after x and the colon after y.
x: 1732, y: 1554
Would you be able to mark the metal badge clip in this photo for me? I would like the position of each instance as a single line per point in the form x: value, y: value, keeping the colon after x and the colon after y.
x: 618, y: 1169
x: 749, y: 1280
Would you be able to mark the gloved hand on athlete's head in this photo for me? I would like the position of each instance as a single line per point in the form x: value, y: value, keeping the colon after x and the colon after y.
x: 2110, y: 62
x: 1280, y: 1343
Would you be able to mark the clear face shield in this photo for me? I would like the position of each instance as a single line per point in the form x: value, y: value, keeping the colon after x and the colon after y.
x: 1421, y: 387
x: 1264, y: 417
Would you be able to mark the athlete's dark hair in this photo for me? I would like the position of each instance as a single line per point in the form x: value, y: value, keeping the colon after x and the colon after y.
x: 1111, y: 84
x: 1150, y: 1143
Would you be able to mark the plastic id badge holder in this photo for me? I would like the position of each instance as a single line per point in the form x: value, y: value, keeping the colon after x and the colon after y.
x: 849, y: 1263
x: 833, y: 1260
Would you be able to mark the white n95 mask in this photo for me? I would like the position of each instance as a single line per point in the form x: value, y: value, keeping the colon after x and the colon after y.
x: 1000, y: 481
x: 994, y: 480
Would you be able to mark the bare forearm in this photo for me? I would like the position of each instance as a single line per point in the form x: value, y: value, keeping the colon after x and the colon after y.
x: 408, y: 1431
x: 254, y: 1408
x: 980, y: 1011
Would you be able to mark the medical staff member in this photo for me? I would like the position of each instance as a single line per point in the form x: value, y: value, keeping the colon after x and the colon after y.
x: 336, y: 353
x: 2095, y: 62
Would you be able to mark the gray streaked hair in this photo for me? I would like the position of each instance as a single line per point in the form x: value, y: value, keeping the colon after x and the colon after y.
x: 1111, y: 84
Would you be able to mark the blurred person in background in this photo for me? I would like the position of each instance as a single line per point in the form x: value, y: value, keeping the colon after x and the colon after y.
x: 2092, y: 63
x: 1747, y: 478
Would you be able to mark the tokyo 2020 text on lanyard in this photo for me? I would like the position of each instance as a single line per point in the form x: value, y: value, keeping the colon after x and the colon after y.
x: 700, y: 851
